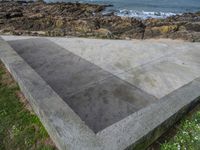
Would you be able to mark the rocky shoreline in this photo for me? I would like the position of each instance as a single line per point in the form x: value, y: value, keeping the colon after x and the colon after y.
x: 87, y: 20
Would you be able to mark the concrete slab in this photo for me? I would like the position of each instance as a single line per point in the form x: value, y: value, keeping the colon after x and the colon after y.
x: 97, y: 96
x: 161, y: 78
x: 108, y: 102
x: 134, y: 61
x: 67, y: 72
x: 66, y: 128
x: 119, y: 93
x: 145, y: 64
x: 119, y: 56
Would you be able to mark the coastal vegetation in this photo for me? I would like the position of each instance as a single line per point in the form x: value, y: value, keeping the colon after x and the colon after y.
x: 20, y: 128
x: 186, y: 134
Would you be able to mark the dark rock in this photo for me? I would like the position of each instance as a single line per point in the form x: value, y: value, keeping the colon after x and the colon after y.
x: 16, y: 14
x: 193, y: 26
x: 160, y: 31
x: 3, y: 15
x: 76, y: 19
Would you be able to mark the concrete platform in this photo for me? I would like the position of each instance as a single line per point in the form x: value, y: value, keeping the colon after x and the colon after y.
x: 105, y: 94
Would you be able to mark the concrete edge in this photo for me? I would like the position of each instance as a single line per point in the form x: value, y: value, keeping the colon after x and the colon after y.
x: 66, y: 129
x: 142, y: 128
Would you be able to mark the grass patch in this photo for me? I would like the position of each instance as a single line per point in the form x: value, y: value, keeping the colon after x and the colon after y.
x: 184, y: 135
x: 20, y: 129
x: 187, y: 136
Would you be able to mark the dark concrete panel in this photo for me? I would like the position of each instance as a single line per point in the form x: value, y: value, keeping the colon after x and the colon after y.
x: 67, y: 72
x: 98, y: 97
x: 108, y: 102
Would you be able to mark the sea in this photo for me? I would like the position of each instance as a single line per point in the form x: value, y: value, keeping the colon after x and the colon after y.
x: 145, y: 8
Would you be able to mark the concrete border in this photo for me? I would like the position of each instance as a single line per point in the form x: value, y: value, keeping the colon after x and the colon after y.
x: 68, y: 131
x: 142, y: 128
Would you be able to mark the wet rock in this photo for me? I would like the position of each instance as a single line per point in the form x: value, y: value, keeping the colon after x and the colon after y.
x: 3, y: 15
x: 16, y: 14
x: 161, y: 31
x: 85, y: 20
x: 192, y: 26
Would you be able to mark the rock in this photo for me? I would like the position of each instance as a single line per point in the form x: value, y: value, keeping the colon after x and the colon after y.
x: 196, y: 36
x: 55, y: 32
x: 60, y: 23
x: 193, y: 26
x: 162, y: 31
x: 103, y: 33
x: 36, y: 16
x: 16, y: 14
x: 184, y: 35
x: 167, y: 29
x: 3, y: 15
x: 85, y: 20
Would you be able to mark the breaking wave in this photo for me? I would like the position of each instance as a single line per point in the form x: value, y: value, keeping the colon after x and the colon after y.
x: 142, y: 14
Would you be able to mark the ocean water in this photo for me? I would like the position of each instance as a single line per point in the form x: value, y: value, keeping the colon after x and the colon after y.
x: 145, y: 8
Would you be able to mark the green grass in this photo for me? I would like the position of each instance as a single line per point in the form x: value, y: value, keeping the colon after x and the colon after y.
x: 19, y: 128
x: 187, y: 134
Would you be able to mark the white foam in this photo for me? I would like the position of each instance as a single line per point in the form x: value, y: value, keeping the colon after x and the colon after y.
x: 143, y: 14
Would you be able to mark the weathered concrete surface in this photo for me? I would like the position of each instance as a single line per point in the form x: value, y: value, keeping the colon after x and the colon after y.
x: 66, y: 129
x: 145, y: 126
x: 150, y: 65
x: 127, y: 92
x: 97, y: 96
